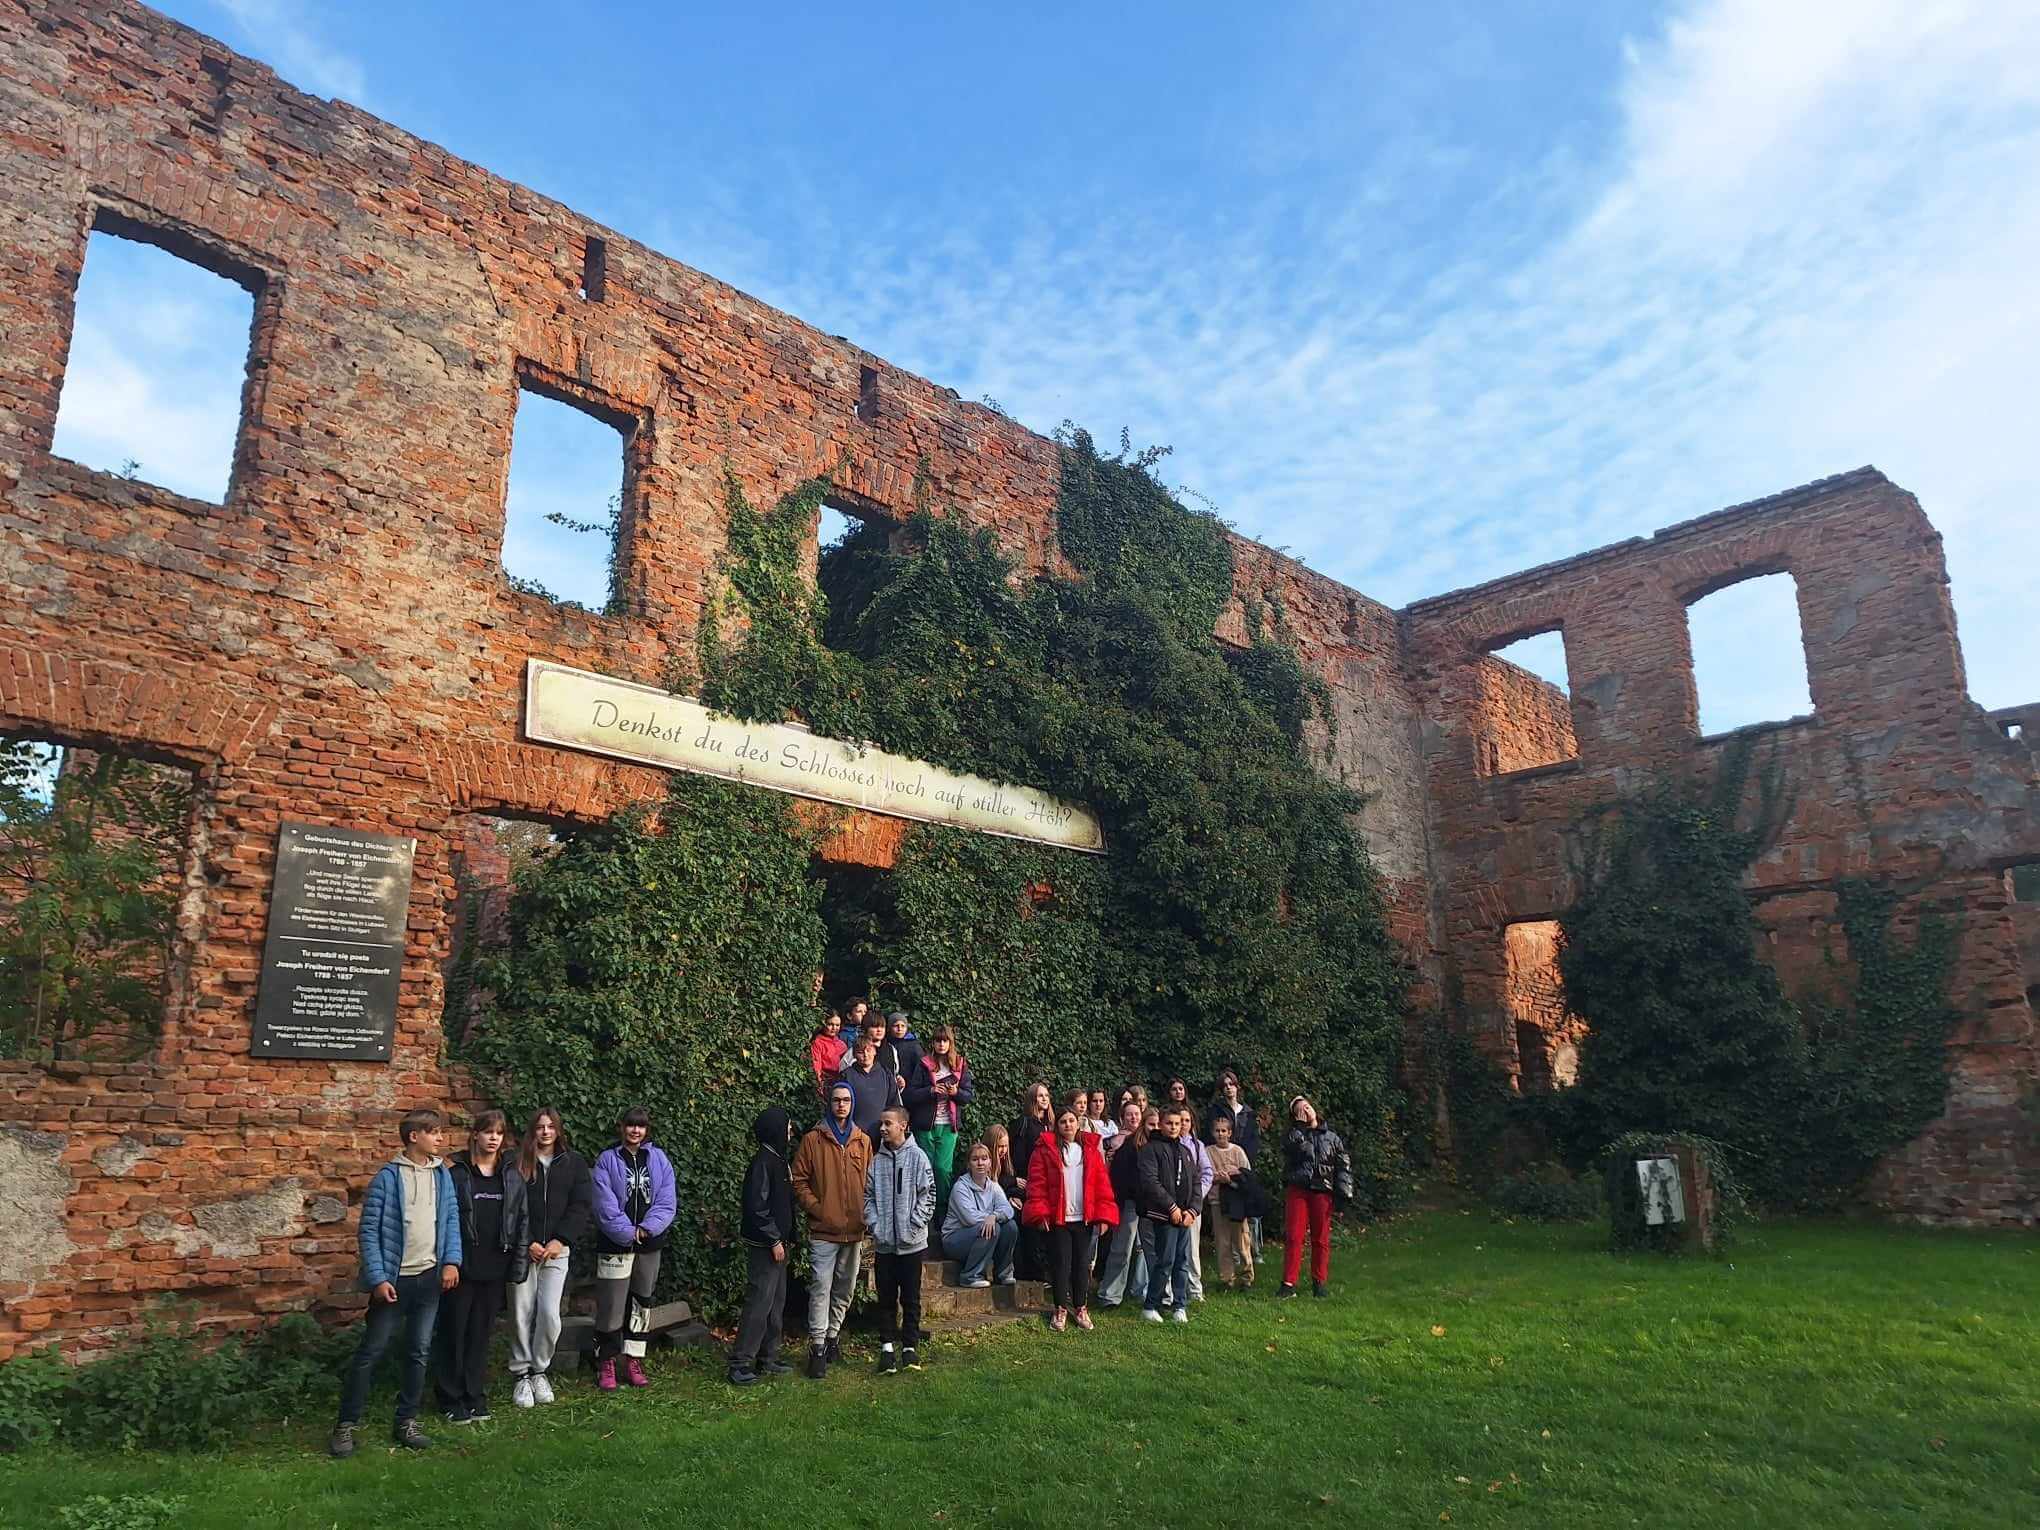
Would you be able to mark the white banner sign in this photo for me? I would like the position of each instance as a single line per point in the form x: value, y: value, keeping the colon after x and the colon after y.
x: 579, y: 710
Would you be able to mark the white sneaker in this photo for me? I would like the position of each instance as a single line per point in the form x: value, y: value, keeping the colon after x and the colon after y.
x: 541, y: 1388
x: 1182, y: 1316
x: 1149, y: 1315
x: 521, y: 1394
x: 980, y: 1284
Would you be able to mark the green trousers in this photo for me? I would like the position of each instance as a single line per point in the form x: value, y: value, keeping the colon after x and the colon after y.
x: 939, y: 1143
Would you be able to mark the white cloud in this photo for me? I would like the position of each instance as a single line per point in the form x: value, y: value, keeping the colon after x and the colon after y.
x: 1812, y: 246
x: 282, y: 36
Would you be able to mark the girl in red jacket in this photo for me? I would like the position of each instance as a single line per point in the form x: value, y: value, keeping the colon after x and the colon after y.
x: 1069, y: 1198
x: 828, y: 1052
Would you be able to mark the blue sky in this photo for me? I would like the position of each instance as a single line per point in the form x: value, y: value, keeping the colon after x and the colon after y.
x: 1425, y: 293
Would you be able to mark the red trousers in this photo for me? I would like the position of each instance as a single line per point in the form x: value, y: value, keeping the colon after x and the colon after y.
x: 1301, y: 1209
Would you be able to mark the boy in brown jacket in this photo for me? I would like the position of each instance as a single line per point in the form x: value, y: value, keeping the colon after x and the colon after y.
x: 828, y: 1181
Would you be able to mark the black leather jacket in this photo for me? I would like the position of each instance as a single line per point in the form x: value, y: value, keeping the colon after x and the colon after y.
x: 516, y: 1233
x: 1316, y: 1159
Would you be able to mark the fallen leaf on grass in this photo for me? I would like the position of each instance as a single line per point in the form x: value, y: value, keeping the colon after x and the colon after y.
x: 1494, y: 1487
x: 1467, y: 1480
x: 1544, y: 1434
x: 1437, y: 1330
x: 1444, y: 1516
x: 1938, y: 1442
x: 1495, y: 1362
x: 1271, y: 1349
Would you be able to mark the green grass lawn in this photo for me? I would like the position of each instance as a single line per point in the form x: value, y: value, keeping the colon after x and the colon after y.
x: 1826, y: 1374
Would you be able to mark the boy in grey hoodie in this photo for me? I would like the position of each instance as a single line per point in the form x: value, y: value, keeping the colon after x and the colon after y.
x: 899, y: 1205
x: 409, y: 1239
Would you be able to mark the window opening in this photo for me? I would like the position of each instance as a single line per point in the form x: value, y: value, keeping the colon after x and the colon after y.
x: 595, y: 270
x: 867, y: 394
x: 158, y: 367
x: 488, y: 856
x: 1547, y: 1033
x: 93, y: 849
x: 563, y: 515
x: 1749, y: 659
x: 1524, y: 709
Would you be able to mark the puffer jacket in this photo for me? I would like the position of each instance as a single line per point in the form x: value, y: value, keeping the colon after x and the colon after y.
x: 516, y: 1232
x: 380, y: 1237
x: 899, y: 1198
x: 1315, y: 1158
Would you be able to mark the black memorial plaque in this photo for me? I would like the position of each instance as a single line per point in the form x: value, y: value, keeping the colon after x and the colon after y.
x: 335, y: 952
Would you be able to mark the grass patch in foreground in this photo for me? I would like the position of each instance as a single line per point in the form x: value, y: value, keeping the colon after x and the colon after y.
x: 1832, y: 1373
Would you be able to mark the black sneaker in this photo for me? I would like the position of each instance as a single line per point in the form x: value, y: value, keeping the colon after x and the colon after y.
x: 478, y: 1414
x: 454, y: 1413
x: 410, y: 1436
x: 888, y: 1363
x: 912, y: 1357
x: 1286, y: 1292
x: 1319, y: 1289
x: 817, y: 1362
x: 774, y: 1367
x: 835, y: 1348
x: 342, y: 1442
x: 743, y: 1376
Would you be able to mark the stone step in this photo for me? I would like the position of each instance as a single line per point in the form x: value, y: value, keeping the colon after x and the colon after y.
x: 939, y: 1301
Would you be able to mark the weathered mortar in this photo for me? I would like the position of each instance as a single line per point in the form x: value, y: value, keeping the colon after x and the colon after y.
x: 336, y: 642
x: 1897, y: 775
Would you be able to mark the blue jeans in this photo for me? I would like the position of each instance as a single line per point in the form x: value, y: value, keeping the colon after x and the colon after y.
x: 1169, y: 1266
x: 1125, y: 1261
x: 974, y: 1252
x: 416, y: 1306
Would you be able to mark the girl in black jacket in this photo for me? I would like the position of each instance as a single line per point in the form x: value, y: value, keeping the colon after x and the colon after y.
x: 561, y: 1198
x: 493, y: 1241
x: 1316, y: 1171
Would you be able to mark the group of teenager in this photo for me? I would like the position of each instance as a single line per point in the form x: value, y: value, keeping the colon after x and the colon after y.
x: 1071, y: 1195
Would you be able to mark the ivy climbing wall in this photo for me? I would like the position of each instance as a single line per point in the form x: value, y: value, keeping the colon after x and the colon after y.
x: 336, y: 641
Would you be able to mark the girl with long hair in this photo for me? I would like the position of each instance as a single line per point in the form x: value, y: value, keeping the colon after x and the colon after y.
x: 560, y: 1202
x: 1069, y: 1197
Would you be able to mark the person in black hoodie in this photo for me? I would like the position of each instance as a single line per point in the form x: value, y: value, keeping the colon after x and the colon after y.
x: 560, y: 1197
x: 767, y: 1223
x: 494, y: 1256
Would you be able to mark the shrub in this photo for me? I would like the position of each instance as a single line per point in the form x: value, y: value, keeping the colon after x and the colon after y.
x: 31, y: 1398
x: 1688, y: 1027
x: 1545, y: 1198
x: 169, y: 1385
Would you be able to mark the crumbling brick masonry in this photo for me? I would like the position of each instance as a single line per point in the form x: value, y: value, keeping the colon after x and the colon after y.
x: 337, y: 643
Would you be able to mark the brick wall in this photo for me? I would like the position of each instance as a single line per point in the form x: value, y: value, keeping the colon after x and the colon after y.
x: 336, y: 642
x: 1895, y: 775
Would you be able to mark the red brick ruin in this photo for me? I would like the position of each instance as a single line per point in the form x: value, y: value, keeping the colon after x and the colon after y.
x: 337, y: 643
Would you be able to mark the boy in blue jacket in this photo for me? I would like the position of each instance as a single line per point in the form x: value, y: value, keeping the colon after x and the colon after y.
x: 410, y: 1252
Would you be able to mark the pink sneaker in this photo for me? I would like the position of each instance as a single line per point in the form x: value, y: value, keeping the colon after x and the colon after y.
x: 605, y: 1374
x: 1056, y: 1323
x: 1084, y: 1319
x: 634, y: 1371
